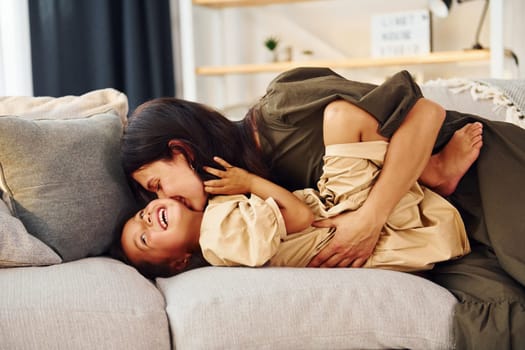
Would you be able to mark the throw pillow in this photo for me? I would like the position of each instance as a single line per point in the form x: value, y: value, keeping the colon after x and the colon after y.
x: 19, y: 248
x: 66, y: 107
x: 63, y: 180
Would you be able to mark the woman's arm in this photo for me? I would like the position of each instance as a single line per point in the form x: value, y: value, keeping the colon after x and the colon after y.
x: 408, y: 153
x: 233, y: 180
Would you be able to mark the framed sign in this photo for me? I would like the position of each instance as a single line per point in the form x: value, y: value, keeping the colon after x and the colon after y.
x: 401, y: 33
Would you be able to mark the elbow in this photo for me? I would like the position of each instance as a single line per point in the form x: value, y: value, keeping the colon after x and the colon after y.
x: 303, y: 218
x: 311, y: 217
x: 308, y: 218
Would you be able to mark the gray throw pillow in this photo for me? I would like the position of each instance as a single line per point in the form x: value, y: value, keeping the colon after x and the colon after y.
x: 63, y: 180
x: 18, y: 247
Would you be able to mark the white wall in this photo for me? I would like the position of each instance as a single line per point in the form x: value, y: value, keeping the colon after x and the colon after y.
x: 514, y: 33
x: 333, y: 29
x: 15, y: 49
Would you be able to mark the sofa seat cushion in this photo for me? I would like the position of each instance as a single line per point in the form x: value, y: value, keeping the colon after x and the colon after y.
x: 93, y: 303
x: 300, y: 308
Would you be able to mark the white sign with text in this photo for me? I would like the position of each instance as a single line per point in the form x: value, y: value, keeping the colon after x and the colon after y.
x: 401, y: 33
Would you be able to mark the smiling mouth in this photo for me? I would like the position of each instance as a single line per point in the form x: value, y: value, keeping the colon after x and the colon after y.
x: 163, y: 218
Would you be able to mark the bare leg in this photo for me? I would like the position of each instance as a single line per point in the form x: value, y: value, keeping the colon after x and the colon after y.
x: 345, y: 123
x: 445, y: 169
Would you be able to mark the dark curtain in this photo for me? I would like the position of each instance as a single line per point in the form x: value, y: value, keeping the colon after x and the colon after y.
x: 82, y: 45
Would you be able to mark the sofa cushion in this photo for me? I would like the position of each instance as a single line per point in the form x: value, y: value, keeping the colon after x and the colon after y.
x: 301, y: 308
x: 60, y: 169
x: 64, y: 181
x: 93, y: 303
x: 66, y: 107
x: 19, y: 248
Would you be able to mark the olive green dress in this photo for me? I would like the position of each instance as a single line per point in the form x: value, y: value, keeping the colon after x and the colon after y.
x: 489, y: 282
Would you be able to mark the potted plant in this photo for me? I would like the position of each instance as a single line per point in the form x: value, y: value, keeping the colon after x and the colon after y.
x: 271, y: 44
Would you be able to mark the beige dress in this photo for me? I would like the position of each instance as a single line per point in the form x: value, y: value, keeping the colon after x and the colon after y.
x: 422, y: 230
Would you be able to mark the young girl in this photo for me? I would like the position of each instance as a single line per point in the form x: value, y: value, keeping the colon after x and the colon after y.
x: 272, y: 226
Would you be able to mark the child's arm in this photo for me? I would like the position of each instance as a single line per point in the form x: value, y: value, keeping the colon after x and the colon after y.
x: 233, y: 180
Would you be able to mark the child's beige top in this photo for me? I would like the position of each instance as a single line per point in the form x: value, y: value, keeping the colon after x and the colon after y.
x: 422, y: 230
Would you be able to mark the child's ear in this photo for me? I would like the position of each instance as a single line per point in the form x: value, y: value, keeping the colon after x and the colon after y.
x: 180, y: 264
x: 179, y: 146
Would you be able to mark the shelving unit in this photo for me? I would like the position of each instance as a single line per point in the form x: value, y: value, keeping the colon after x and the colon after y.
x: 190, y: 72
x: 432, y: 58
x: 231, y: 3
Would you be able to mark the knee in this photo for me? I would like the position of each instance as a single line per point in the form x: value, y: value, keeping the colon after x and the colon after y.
x: 344, y: 122
x: 340, y: 112
x: 431, y: 109
x: 341, y: 123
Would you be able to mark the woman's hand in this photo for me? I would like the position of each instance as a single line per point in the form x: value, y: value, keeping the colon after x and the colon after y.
x: 232, y: 180
x: 355, y: 239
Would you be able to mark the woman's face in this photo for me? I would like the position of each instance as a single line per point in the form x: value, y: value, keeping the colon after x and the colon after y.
x: 173, y: 179
x: 164, y: 230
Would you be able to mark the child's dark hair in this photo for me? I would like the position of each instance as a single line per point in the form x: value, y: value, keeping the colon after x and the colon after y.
x: 149, y: 270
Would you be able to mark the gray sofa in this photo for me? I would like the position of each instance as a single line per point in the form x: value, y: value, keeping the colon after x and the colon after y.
x: 61, y: 187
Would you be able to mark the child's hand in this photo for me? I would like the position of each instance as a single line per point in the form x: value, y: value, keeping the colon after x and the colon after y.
x: 233, y: 180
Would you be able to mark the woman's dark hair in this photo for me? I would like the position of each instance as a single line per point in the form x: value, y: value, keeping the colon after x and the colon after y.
x: 205, y: 131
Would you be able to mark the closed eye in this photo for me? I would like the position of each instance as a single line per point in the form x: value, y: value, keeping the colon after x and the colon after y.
x: 154, y: 187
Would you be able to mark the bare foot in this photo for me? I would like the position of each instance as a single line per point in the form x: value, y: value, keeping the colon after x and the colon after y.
x: 448, y: 166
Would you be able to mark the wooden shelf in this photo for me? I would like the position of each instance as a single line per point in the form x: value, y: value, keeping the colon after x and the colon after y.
x: 432, y: 58
x: 190, y: 72
x: 232, y: 3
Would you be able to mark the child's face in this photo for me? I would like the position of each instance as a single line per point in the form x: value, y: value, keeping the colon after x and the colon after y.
x: 174, y: 179
x: 165, y: 230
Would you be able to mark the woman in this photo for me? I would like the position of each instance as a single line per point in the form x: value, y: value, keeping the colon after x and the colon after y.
x: 287, y: 123
x: 255, y: 222
x: 288, y: 129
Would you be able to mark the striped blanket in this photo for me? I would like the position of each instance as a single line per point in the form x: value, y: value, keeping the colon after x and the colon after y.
x: 513, y: 89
